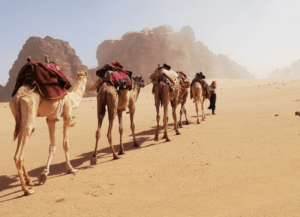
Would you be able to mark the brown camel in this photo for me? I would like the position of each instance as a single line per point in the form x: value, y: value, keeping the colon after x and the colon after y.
x: 26, y: 105
x: 199, y: 95
x: 162, y: 96
x: 116, y: 102
x: 183, y: 95
x: 134, y: 94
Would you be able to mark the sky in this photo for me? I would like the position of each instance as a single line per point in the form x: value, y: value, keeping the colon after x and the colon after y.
x: 261, y: 35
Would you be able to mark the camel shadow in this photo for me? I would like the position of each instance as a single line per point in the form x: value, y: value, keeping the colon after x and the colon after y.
x: 59, y: 169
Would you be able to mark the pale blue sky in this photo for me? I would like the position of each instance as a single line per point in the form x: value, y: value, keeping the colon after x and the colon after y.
x: 260, y: 35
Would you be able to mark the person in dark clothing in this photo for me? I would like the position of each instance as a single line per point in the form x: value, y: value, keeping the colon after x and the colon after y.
x: 213, y: 97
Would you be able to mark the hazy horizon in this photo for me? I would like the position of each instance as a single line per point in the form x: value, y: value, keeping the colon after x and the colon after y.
x: 261, y: 36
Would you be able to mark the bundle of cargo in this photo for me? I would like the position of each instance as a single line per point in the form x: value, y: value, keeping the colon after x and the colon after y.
x: 116, y: 75
x: 47, y: 78
x: 167, y: 75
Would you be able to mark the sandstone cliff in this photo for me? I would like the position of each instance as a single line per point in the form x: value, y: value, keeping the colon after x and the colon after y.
x: 57, y: 50
x: 140, y: 52
x: 293, y: 70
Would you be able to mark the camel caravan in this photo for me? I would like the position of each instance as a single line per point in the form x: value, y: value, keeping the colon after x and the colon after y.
x: 41, y: 90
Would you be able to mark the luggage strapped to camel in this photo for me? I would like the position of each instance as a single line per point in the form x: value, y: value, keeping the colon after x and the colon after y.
x: 47, y: 78
x: 165, y: 74
x: 199, y: 77
x: 116, y: 75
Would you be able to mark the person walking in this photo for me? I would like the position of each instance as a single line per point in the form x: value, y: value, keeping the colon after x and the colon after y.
x: 213, y: 97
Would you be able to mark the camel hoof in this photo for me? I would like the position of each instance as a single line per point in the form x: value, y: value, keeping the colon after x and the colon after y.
x: 177, y: 133
x: 116, y: 157
x: 121, y: 153
x: 42, y: 178
x: 136, y: 145
x: 168, y: 140
x: 198, y: 122
x: 155, y: 139
x: 29, y: 192
x: 29, y: 183
x: 93, y: 161
x: 187, y: 123
x: 72, y: 170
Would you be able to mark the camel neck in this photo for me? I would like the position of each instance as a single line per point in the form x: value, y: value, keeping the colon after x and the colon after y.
x: 136, y: 91
x: 78, y: 91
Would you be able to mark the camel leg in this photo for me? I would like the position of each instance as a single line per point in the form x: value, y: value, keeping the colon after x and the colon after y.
x: 165, y: 120
x: 111, y: 116
x: 101, y: 114
x: 186, y: 120
x: 121, y: 151
x: 28, y: 111
x: 202, y: 107
x: 181, y: 111
x: 51, y: 126
x: 197, y: 110
x: 157, y: 104
x: 27, y: 177
x: 175, y: 117
x: 98, y: 133
x: 19, y: 161
x: 67, y: 121
x: 132, y: 126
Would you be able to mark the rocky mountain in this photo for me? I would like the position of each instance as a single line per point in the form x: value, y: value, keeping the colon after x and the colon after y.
x: 141, y: 51
x: 57, y: 50
x: 293, y: 70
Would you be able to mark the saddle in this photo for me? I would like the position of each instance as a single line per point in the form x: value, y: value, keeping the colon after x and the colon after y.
x: 199, y: 77
x: 50, y: 81
x: 116, y: 75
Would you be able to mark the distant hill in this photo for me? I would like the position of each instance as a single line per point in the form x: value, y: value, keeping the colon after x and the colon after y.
x: 293, y: 70
x: 141, y: 51
x: 57, y: 50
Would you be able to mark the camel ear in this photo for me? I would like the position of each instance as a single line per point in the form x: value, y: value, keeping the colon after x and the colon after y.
x: 85, y: 72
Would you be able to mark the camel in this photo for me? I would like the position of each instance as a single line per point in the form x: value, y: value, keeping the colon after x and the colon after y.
x: 26, y: 105
x: 182, y: 100
x: 116, y: 102
x: 162, y: 96
x: 198, y: 95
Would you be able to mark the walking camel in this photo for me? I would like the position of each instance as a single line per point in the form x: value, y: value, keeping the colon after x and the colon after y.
x: 116, y: 102
x: 28, y: 104
x: 199, y: 94
x: 182, y: 99
x: 162, y: 97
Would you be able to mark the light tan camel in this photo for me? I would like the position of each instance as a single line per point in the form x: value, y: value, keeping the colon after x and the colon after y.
x: 198, y: 94
x: 26, y: 106
x: 162, y: 97
x: 116, y: 102
x: 183, y: 95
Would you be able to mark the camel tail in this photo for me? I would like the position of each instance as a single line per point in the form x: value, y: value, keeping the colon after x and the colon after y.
x: 161, y: 93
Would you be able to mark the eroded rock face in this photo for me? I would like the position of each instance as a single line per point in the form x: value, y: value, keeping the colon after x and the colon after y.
x: 293, y: 70
x: 57, y: 50
x: 140, y: 52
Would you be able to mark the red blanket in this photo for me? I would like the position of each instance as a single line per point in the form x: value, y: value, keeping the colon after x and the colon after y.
x: 115, y: 73
x: 51, y: 82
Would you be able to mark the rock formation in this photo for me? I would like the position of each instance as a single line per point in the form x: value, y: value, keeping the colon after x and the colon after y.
x: 140, y: 52
x: 293, y: 70
x: 57, y: 50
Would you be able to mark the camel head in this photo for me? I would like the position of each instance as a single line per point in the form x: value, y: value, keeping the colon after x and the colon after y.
x: 81, y: 74
x: 139, y: 81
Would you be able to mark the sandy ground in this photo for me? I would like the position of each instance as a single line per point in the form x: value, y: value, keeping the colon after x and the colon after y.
x: 244, y: 161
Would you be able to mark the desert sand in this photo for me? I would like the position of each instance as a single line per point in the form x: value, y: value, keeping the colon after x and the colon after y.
x: 244, y: 161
